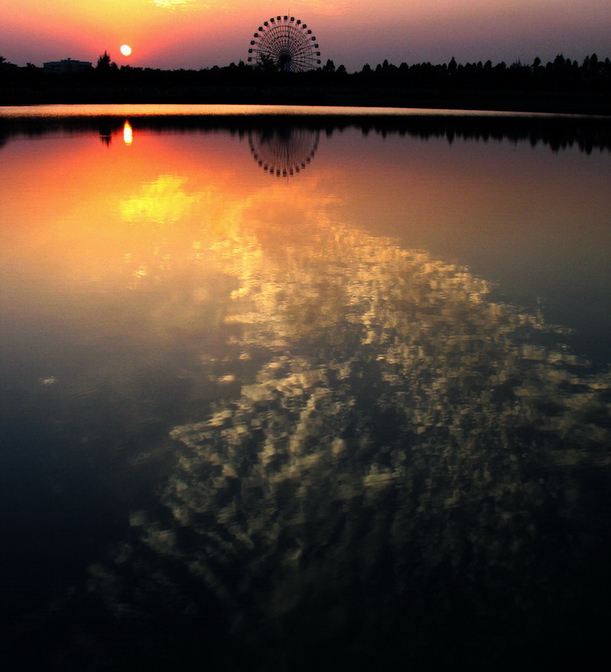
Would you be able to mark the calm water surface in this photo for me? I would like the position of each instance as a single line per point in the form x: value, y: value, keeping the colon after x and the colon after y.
x: 280, y: 392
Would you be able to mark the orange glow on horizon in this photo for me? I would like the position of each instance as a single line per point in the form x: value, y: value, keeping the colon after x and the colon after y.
x: 190, y: 34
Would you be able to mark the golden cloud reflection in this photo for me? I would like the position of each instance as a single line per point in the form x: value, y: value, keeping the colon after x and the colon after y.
x: 163, y: 202
x: 175, y: 223
x: 380, y: 400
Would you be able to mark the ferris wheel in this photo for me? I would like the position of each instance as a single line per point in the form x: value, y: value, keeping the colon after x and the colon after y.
x: 283, y: 151
x: 286, y: 44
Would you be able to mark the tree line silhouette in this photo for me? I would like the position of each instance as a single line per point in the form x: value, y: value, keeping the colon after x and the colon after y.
x: 589, y: 134
x: 241, y: 81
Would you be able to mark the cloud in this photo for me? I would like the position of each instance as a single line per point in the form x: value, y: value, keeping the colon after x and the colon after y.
x: 180, y: 5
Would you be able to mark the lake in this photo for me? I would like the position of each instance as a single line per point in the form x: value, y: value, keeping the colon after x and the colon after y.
x: 295, y: 388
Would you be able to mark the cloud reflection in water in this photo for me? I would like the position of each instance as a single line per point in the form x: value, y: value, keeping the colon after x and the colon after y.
x: 350, y: 440
x: 400, y: 447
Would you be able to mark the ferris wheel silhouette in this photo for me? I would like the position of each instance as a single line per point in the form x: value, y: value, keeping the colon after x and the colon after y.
x: 286, y: 44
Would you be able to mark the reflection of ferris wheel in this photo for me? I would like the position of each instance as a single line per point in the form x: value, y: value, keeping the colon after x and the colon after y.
x: 286, y: 44
x: 283, y: 151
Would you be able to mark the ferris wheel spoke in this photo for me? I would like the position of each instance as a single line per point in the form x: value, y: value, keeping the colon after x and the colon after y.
x: 286, y: 36
x: 302, y: 53
x: 305, y: 48
x: 302, y: 49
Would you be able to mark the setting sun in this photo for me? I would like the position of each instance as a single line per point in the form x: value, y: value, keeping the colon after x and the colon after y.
x: 126, y: 50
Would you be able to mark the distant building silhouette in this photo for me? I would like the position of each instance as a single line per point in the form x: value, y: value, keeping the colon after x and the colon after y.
x: 66, y: 65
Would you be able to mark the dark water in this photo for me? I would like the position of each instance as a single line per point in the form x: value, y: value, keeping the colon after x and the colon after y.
x: 323, y: 391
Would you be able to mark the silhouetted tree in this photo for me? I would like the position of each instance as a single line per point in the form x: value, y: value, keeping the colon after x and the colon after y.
x: 329, y: 66
x: 6, y: 65
x: 266, y: 63
x: 105, y: 63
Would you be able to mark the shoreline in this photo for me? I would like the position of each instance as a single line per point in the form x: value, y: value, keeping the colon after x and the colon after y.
x: 591, y: 104
x: 557, y: 130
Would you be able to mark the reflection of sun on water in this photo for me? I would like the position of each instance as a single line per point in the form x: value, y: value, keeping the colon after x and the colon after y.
x: 128, y: 133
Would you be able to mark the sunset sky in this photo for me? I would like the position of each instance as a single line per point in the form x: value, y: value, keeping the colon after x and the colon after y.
x: 202, y: 33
